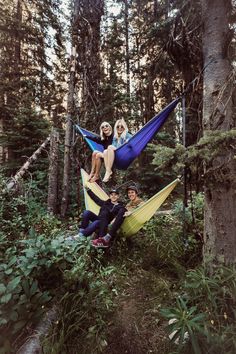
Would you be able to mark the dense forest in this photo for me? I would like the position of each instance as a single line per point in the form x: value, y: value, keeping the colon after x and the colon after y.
x: 170, y: 287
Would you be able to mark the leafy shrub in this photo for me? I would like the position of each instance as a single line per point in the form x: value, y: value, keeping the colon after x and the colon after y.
x: 208, y: 303
x: 83, y: 314
x: 173, y: 248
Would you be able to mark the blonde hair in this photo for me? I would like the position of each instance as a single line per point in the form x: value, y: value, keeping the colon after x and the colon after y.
x: 102, y: 135
x: 123, y: 123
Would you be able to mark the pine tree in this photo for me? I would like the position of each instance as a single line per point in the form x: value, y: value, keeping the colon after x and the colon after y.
x: 218, y: 119
x: 25, y: 81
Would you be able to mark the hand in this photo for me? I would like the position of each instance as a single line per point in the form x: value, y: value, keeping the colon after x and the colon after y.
x: 127, y: 213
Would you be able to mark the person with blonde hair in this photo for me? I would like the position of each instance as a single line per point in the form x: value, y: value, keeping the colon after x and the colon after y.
x: 105, y: 139
x: 120, y: 137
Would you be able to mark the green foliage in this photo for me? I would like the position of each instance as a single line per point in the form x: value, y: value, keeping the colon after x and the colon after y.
x: 191, y: 216
x: 20, y: 213
x: 168, y: 159
x: 185, y: 322
x: 176, y: 238
x: 37, y: 264
x: 209, y: 308
x: 83, y: 313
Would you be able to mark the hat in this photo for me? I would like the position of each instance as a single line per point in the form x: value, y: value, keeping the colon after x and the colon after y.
x: 133, y: 188
x: 113, y: 190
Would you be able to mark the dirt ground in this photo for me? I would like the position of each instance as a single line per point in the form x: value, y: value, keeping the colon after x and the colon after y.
x: 137, y: 327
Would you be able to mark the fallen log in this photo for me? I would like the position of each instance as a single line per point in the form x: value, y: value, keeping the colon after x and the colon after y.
x: 14, y: 180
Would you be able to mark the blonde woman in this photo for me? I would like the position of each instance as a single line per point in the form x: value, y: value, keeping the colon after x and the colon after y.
x: 106, y: 138
x: 120, y: 137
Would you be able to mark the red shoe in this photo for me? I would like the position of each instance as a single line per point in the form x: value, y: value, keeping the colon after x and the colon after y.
x: 100, y: 243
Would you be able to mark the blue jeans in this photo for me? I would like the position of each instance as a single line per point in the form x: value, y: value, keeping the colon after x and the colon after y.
x: 90, y: 223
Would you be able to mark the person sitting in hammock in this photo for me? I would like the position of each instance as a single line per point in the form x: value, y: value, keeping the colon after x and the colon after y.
x: 135, y: 200
x: 112, y: 210
x: 120, y: 137
x: 106, y: 138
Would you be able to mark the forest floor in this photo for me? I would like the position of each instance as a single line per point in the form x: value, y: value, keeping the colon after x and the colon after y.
x: 136, y: 326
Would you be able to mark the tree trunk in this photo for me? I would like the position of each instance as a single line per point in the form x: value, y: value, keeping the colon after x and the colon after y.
x: 220, y: 185
x: 68, y: 138
x: 127, y: 55
x: 2, y: 149
x: 26, y: 165
x: 53, y: 172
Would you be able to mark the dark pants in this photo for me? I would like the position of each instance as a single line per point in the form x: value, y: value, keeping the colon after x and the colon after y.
x: 92, y: 222
x: 117, y: 223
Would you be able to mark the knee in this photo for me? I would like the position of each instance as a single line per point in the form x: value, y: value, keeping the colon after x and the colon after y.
x: 86, y: 213
x: 98, y: 157
x: 94, y: 154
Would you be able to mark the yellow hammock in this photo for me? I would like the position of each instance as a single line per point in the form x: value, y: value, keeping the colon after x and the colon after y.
x: 134, y: 222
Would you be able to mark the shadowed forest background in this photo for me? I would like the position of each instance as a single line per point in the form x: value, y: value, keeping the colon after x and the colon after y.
x: 172, y: 287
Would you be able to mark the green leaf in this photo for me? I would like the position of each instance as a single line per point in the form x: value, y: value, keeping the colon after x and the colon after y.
x: 34, y: 288
x: 8, y: 271
x: 13, y: 283
x: 12, y: 261
x: 3, y: 321
x: 2, y: 288
x: 5, y: 298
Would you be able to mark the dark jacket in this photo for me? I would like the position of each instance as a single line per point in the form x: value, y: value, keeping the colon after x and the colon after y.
x: 105, y: 143
x: 108, y: 209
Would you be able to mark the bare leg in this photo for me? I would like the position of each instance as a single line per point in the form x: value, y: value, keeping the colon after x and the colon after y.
x: 93, y: 165
x: 98, y: 163
x: 105, y: 155
x: 110, y: 157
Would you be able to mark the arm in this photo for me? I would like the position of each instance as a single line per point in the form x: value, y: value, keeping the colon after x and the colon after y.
x: 95, y: 198
x: 128, y: 136
x: 97, y: 139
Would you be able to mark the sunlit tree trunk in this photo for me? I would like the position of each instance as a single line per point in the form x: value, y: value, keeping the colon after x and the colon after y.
x: 53, y: 172
x: 218, y: 115
x: 68, y: 138
x: 27, y: 164
x: 70, y: 113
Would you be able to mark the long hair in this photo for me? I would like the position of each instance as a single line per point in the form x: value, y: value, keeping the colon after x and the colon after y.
x: 102, y: 135
x: 123, y: 123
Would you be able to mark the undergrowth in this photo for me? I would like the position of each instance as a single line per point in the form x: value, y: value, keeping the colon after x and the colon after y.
x: 156, y: 269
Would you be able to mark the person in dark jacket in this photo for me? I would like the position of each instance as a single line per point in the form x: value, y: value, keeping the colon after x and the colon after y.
x: 111, y: 212
x: 105, y: 139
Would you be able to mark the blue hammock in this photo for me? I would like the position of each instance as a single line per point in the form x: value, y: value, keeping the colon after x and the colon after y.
x: 127, y: 152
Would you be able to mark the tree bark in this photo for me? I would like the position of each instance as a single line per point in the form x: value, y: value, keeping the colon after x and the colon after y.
x: 53, y: 172
x: 68, y: 138
x: 127, y: 54
x: 70, y: 113
x: 26, y: 165
x: 220, y: 185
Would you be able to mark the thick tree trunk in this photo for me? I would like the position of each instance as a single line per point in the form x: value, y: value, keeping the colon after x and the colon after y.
x: 220, y: 184
x: 53, y: 172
